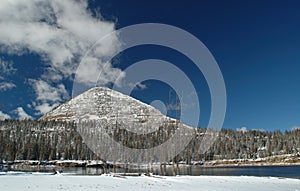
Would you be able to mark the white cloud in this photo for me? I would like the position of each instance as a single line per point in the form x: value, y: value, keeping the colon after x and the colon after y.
x: 295, y: 128
x: 6, y: 69
x: 46, y: 92
x: 22, y: 114
x: 45, y: 107
x: 134, y: 86
x: 48, y: 95
x: 52, y: 75
x: 4, y: 116
x: 6, y: 86
x: 92, y: 72
x: 61, y: 32
x: 242, y: 129
x: 140, y: 86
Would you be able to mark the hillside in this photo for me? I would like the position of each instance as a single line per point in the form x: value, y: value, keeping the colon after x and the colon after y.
x: 108, y: 106
x: 50, y: 140
x: 69, y: 132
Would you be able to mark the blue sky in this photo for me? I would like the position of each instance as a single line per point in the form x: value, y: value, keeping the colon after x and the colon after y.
x: 255, y: 43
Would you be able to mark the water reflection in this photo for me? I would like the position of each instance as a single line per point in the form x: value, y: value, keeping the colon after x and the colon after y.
x: 277, y: 171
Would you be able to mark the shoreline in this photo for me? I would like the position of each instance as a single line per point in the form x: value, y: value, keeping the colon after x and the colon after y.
x: 27, y: 164
x: 249, y: 165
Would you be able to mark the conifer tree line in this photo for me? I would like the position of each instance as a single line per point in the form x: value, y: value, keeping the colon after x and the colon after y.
x: 41, y: 140
x: 50, y: 140
x: 255, y: 144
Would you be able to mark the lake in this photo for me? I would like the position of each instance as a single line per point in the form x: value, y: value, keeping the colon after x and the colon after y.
x: 275, y: 171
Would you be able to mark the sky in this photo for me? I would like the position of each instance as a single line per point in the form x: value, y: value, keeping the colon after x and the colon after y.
x: 255, y: 43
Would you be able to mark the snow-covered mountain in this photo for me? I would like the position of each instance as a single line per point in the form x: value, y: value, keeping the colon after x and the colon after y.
x: 110, y: 107
x: 117, y: 127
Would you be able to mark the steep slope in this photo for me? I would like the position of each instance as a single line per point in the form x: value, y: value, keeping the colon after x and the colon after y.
x: 119, y: 128
x: 109, y: 106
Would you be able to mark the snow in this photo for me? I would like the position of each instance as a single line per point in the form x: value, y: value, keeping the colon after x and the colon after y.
x: 37, y: 182
x: 108, y: 106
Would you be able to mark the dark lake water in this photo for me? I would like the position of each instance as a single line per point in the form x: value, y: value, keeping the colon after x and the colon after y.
x: 276, y: 171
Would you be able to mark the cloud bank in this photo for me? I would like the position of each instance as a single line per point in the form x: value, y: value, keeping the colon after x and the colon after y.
x: 61, y: 32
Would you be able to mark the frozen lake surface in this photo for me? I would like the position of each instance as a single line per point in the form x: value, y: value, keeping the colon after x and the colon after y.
x: 47, y: 182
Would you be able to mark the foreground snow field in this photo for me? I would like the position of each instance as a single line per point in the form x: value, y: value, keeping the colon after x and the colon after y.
x: 71, y: 182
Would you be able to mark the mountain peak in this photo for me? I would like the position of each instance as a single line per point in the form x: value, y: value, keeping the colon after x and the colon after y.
x: 109, y: 106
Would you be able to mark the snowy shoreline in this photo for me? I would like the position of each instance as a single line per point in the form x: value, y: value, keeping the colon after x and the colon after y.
x: 40, y: 181
x: 278, y: 160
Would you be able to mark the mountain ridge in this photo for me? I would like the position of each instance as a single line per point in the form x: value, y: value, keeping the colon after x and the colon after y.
x: 109, y: 106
